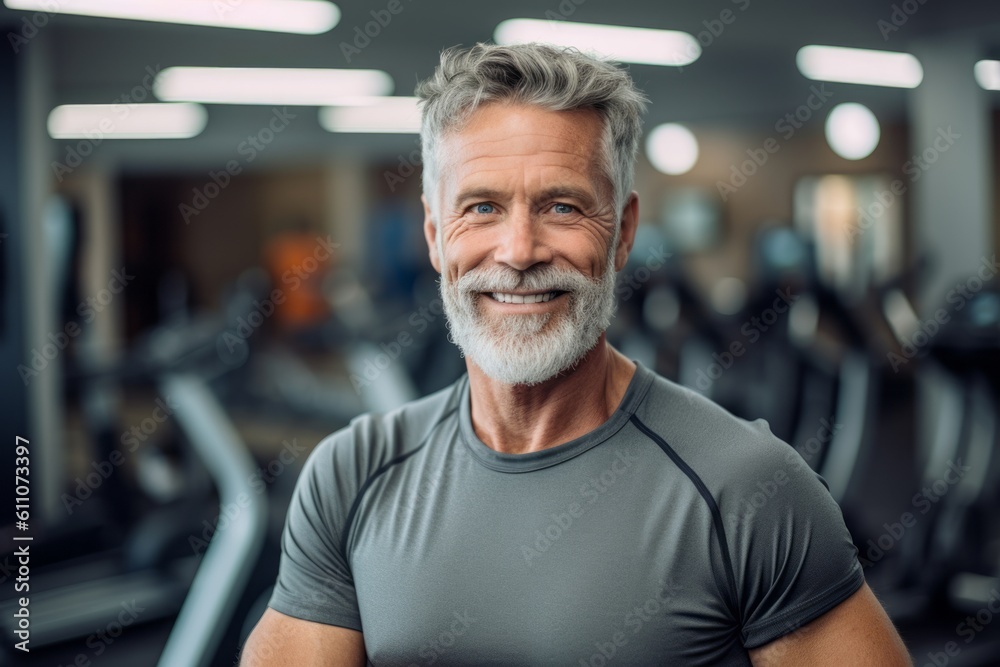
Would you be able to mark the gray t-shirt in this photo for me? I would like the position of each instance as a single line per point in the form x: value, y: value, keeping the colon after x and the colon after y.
x: 674, y: 533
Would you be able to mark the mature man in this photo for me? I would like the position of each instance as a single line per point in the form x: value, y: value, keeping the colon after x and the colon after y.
x: 559, y: 504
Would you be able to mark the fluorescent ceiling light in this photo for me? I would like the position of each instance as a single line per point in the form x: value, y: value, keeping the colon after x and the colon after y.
x: 624, y: 44
x: 245, y: 85
x: 309, y: 17
x: 127, y: 121
x: 872, y: 68
x: 388, y: 114
x: 988, y: 74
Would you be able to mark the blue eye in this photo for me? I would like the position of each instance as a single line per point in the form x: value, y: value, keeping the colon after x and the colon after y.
x: 479, y: 208
x: 563, y: 208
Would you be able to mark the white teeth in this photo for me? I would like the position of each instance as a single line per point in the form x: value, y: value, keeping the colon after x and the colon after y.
x: 523, y: 298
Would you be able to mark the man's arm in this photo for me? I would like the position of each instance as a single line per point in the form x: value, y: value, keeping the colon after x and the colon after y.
x: 855, y: 632
x: 279, y: 640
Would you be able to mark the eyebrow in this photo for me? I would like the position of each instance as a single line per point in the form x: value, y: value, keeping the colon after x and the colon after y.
x: 567, y: 192
x: 553, y: 192
x: 477, y: 193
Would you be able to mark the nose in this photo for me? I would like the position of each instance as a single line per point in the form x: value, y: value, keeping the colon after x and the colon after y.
x: 520, y: 245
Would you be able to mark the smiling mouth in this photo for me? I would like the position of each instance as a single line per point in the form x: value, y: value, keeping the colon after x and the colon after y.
x: 507, y: 297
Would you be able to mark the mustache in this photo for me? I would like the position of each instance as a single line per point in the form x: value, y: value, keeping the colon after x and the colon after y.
x: 543, y: 277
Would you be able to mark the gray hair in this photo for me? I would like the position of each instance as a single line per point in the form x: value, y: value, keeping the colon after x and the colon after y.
x: 554, y: 78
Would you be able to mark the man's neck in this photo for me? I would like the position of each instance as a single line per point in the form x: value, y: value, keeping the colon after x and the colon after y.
x: 517, y: 419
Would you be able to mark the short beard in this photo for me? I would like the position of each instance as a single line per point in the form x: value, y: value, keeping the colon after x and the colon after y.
x: 531, y: 348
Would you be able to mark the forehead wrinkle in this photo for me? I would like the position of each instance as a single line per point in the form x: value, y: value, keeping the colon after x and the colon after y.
x: 472, y: 157
x: 522, y: 138
x: 470, y: 170
x: 537, y: 161
x: 514, y: 144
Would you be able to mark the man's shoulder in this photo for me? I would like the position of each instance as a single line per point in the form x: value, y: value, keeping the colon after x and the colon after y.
x: 373, y: 439
x: 722, y: 449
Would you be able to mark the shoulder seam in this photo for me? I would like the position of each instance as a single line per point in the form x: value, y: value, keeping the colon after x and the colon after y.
x: 381, y: 470
x: 713, y: 507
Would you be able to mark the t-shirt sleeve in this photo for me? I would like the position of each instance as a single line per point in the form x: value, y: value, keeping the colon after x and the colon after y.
x: 314, y: 577
x: 794, y: 558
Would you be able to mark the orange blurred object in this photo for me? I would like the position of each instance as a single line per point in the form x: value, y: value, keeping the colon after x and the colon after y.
x: 298, y: 262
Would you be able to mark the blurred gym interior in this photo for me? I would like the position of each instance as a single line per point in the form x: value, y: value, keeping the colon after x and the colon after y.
x: 204, y: 273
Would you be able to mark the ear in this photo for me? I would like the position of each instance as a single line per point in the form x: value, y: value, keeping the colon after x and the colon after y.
x: 630, y: 222
x: 430, y: 234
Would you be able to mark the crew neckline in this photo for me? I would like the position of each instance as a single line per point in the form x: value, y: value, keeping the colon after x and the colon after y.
x: 550, y: 456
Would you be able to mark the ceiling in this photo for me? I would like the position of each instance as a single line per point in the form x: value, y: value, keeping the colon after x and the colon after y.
x: 745, y: 78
